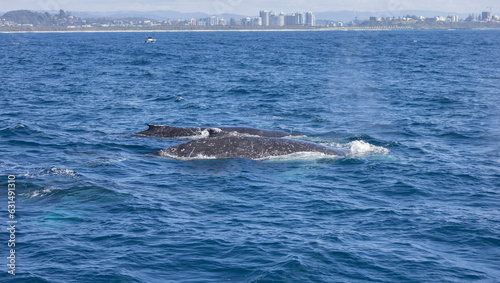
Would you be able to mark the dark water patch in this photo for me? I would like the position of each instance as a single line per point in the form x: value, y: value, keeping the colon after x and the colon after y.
x: 21, y: 130
x: 454, y: 136
x: 239, y: 91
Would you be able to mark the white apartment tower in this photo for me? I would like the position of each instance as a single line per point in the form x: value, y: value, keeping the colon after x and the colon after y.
x: 310, y: 19
x: 265, y: 17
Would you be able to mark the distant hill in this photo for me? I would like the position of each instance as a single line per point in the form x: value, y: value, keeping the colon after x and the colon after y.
x: 28, y: 17
x: 152, y: 15
x: 45, y: 20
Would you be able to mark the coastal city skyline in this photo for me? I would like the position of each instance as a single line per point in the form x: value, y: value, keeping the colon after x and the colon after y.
x: 66, y: 20
x: 217, y: 7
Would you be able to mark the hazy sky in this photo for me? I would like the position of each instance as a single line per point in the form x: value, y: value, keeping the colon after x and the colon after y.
x: 251, y: 7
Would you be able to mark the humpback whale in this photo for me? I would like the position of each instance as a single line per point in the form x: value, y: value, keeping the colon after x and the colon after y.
x: 236, y: 146
x: 165, y: 131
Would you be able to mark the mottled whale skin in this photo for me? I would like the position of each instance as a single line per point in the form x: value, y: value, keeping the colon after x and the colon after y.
x: 165, y: 131
x: 235, y: 146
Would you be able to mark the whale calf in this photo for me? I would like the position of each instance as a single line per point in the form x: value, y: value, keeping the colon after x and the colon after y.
x: 165, y: 131
x: 235, y: 146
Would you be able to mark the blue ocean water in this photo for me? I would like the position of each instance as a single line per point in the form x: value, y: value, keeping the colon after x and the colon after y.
x: 417, y: 198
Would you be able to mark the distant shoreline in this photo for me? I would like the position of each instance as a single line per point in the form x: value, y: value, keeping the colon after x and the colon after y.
x: 148, y: 31
x: 240, y: 30
x: 25, y: 21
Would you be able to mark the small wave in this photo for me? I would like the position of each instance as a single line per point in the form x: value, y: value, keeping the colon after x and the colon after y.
x: 22, y: 130
x: 51, y: 171
x: 275, y: 118
x: 105, y: 161
x: 239, y: 90
x: 454, y: 135
x: 40, y: 193
x: 140, y: 62
x: 16, y: 127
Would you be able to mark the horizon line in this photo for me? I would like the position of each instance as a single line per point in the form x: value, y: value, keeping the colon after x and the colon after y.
x: 176, y: 11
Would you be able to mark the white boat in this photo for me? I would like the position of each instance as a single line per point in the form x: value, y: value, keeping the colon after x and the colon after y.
x: 149, y: 39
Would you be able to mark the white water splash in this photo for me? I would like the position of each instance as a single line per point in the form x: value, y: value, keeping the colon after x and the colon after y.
x: 51, y: 171
x: 359, y: 149
x: 40, y: 193
x: 362, y: 149
x: 61, y: 171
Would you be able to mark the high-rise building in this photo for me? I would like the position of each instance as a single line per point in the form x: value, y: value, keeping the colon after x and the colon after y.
x: 300, y: 17
x: 257, y: 21
x: 246, y: 22
x: 265, y: 17
x: 281, y: 17
x: 486, y: 16
x: 212, y: 21
x: 294, y: 19
x: 453, y: 18
x: 290, y: 20
x: 310, y: 19
x: 274, y: 19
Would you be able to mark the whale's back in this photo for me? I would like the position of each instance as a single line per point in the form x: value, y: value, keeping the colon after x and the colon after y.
x: 243, y: 147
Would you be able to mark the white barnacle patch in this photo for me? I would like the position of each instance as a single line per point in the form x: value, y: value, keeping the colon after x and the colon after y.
x: 216, y: 130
